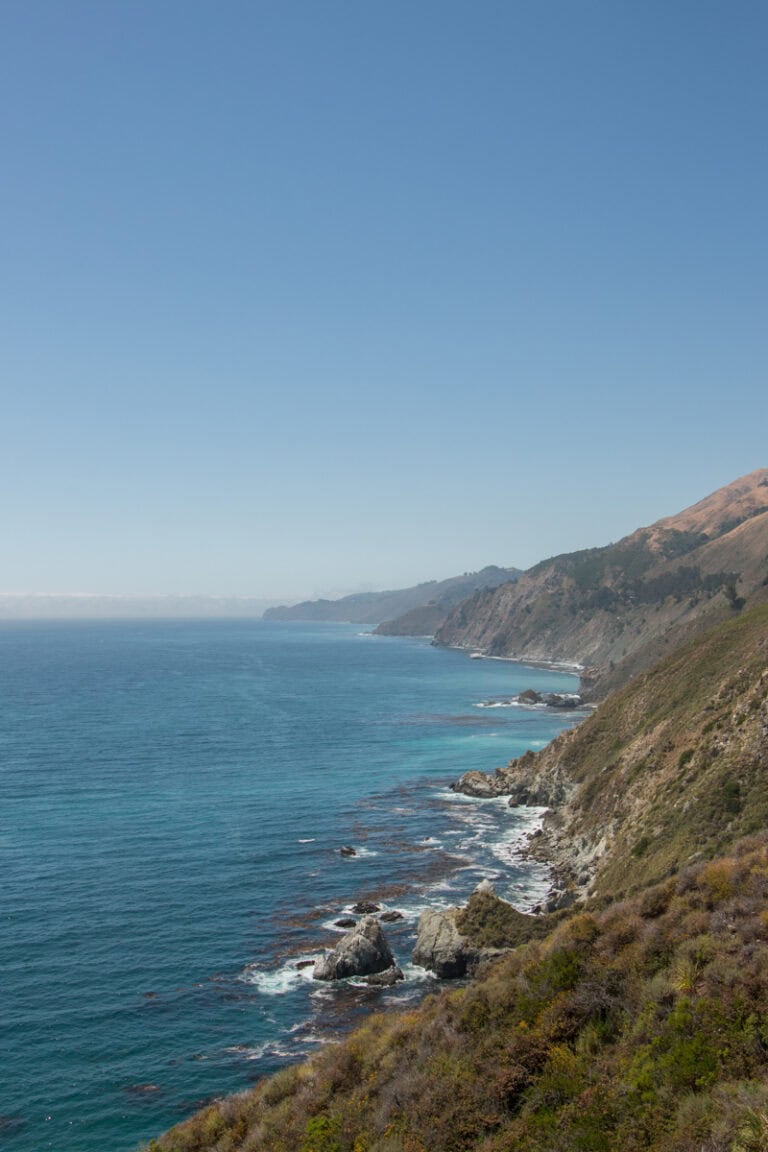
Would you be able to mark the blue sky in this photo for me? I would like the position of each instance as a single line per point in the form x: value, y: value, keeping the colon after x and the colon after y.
x: 300, y: 297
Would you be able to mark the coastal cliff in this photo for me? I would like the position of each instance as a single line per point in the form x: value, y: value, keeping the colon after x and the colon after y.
x: 636, y: 1019
x: 672, y: 768
x: 620, y: 608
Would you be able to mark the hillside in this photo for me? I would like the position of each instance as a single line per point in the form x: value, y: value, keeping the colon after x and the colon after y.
x: 374, y: 608
x: 422, y: 621
x: 671, y: 768
x: 616, y: 609
x: 640, y: 1020
x: 639, y: 1028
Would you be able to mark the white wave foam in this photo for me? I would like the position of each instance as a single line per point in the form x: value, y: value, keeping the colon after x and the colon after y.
x: 246, y: 1053
x: 414, y: 974
x: 278, y: 981
x: 307, y: 840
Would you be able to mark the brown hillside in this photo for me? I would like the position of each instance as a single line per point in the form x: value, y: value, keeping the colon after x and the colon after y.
x: 616, y: 609
x: 671, y: 768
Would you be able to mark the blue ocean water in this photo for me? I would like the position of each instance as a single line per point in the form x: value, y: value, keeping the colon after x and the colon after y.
x: 174, y: 796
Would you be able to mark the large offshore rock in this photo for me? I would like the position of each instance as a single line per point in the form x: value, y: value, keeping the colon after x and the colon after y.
x: 362, y: 952
x: 440, y: 947
x: 480, y: 784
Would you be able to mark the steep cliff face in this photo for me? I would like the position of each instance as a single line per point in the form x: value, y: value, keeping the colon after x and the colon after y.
x: 625, y: 604
x: 671, y: 768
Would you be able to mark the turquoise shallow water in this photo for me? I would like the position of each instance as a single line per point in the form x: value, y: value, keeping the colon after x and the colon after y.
x: 174, y: 795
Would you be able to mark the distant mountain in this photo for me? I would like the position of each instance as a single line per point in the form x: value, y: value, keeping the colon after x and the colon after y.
x: 618, y: 608
x: 373, y: 608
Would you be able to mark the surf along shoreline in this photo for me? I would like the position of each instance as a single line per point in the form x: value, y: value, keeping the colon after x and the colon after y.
x: 501, y: 842
x: 339, y: 1002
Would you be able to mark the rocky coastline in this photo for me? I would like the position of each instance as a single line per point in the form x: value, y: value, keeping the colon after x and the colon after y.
x: 542, y: 780
x: 444, y: 944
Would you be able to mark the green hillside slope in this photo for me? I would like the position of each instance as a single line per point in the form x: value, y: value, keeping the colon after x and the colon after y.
x: 673, y: 766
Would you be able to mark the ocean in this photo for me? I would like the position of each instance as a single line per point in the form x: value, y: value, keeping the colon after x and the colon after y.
x: 174, y: 798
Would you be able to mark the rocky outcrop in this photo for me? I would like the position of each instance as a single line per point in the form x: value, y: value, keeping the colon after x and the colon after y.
x: 386, y: 978
x: 362, y: 952
x: 536, y: 780
x: 441, y: 948
x: 483, y: 785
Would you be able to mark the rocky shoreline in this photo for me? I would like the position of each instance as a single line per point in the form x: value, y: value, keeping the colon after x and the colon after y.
x: 533, y: 780
x: 561, y: 701
x: 442, y: 948
x: 540, y: 779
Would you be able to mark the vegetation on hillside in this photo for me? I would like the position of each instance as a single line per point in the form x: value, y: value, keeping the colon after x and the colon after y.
x: 614, y: 608
x: 640, y: 1027
x: 671, y: 768
x: 637, y: 1022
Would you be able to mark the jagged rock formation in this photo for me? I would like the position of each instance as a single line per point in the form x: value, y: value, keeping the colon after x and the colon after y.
x: 362, y: 952
x: 373, y: 608
x: 620, y: 608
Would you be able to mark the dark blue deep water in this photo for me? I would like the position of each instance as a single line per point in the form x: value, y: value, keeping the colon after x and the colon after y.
x: 174, y: 795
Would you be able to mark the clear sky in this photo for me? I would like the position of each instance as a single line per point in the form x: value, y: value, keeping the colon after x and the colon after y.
x: 299, y: 296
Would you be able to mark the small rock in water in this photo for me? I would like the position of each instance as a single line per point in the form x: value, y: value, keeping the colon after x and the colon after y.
x: 362, y: 952
x: 390, y: 917
x: 529, y: 697
x: 365, y: 908
x: 348, y: 850
x: 386, y: 978
x: 346, y: 922
x: 304, y: 964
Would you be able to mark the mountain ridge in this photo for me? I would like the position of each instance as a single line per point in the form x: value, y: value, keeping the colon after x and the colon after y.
x: 612, y: 608
x: 374, y: 608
